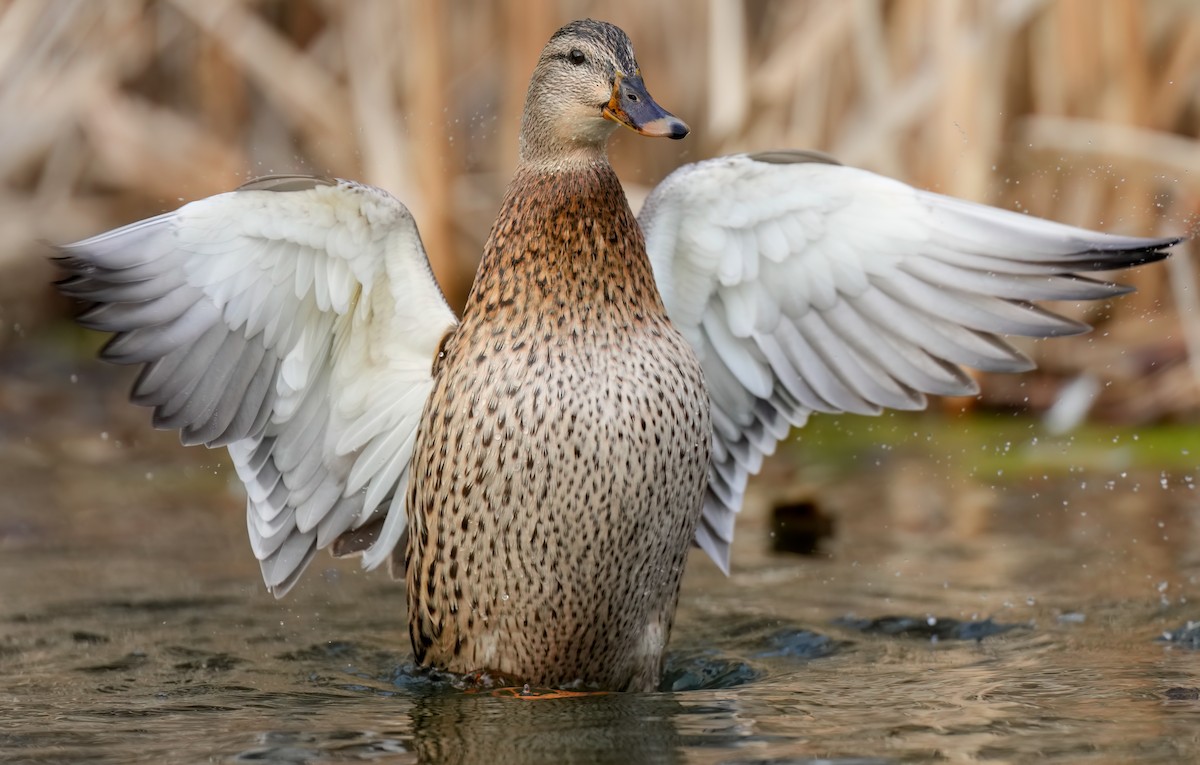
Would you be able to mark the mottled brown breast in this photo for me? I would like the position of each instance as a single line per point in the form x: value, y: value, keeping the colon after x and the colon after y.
x: 559, y: 474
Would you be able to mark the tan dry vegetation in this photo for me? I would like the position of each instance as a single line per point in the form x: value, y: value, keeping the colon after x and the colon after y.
x: 1086, y: 111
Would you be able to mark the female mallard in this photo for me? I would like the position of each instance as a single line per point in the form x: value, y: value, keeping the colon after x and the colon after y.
x: 553, y: 453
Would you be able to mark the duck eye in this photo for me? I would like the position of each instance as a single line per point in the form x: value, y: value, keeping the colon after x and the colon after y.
x: 577, y: 57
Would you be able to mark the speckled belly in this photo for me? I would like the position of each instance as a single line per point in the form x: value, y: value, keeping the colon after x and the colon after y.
x: 555, y: 490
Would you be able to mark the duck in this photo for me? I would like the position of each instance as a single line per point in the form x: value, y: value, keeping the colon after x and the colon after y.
x: 538, y: 468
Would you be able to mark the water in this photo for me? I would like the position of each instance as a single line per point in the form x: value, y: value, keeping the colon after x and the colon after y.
x: 133, y: 627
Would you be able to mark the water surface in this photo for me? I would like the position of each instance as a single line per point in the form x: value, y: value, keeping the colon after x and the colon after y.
x: 134, y: 628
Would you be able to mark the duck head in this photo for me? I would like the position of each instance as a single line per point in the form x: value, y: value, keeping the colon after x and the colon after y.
x: 587, y: 82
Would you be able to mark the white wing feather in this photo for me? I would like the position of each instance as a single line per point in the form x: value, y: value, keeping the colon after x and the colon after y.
x: 805, y: 286
x: 294, y: 321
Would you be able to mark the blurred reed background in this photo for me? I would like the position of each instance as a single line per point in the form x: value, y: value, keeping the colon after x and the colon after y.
x: 1085, y: 111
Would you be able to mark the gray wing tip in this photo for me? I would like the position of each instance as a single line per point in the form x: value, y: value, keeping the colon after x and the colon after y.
x: 285, y: 183
x: 717, y: 549
x: 74, y: 284
x: 1115, y: 252
x: 793, y: 157
x: 1135, y: 243
x: 1112, y: 290
x: 67, y: 256
x: 1050, y: 325
x: 283, y: 568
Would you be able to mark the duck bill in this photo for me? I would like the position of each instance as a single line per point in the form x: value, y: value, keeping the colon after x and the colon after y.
x: 633, y: 107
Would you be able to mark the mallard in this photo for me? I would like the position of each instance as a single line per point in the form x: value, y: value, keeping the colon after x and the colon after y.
x: 539, y: 467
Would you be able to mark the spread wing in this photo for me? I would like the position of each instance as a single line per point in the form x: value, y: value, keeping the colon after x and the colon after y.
x: 806, y: 286
x: 294, y: 321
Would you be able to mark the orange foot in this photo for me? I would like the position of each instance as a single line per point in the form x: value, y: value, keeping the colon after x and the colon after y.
x: 538, y: 694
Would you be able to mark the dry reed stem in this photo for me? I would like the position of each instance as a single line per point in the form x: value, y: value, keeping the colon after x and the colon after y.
x: 1086, y: 111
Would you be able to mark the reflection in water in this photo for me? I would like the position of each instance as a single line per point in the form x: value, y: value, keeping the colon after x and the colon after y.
x: 133, y: 627
x: 456, y: 728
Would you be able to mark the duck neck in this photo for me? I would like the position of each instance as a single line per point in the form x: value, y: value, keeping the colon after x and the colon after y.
x: 542, y: 151
x: 566, y: 244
